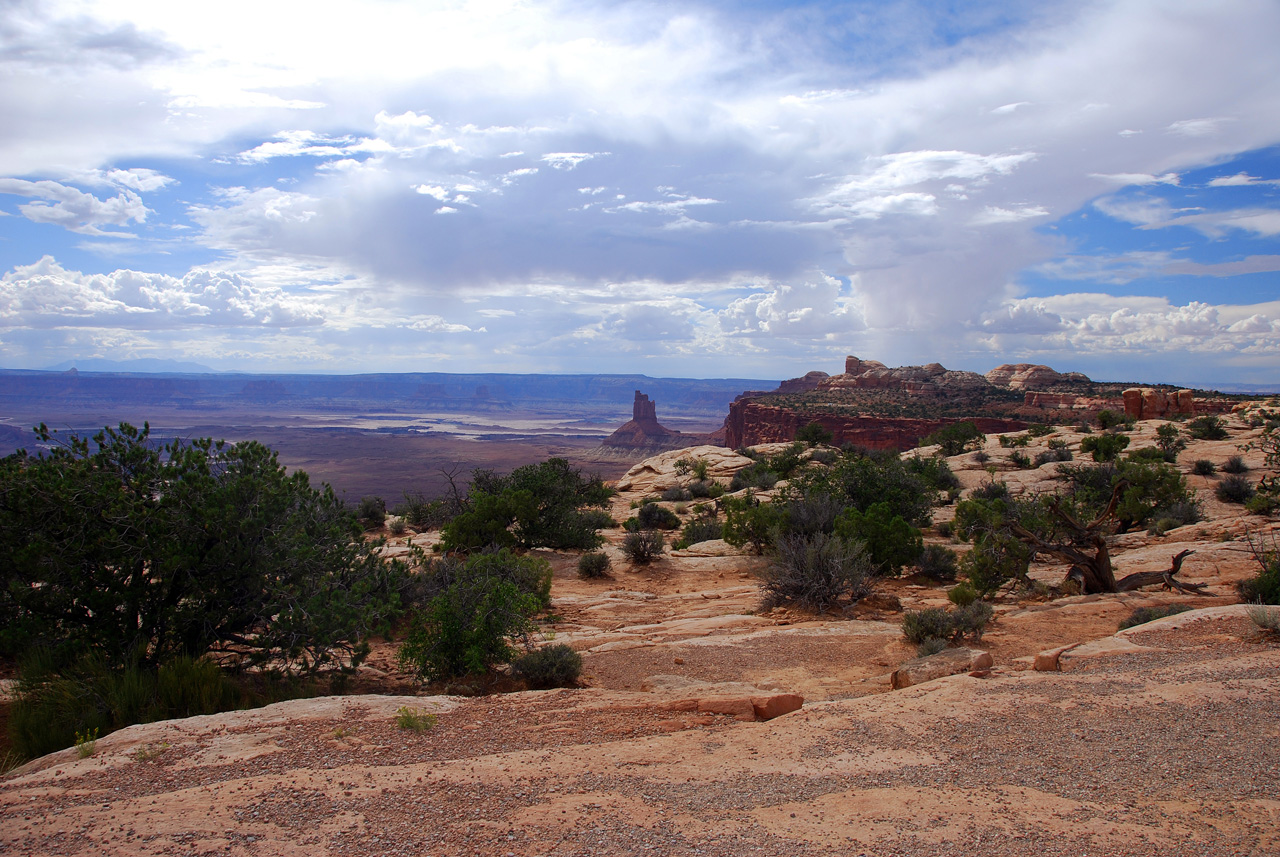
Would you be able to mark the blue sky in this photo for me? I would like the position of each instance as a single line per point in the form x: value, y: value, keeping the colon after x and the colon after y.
x: 698, y: 189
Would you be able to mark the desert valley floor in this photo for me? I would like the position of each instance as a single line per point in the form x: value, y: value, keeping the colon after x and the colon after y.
x: 686, y: 738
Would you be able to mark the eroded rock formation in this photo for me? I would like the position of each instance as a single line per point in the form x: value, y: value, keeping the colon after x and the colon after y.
x: 1145, y: 403
x: 933, y: 379
x: 750, y: 422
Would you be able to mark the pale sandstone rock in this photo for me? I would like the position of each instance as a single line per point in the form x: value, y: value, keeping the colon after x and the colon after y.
x: 944, y: 663
x: 656, y: 474
x: 1019, y: 376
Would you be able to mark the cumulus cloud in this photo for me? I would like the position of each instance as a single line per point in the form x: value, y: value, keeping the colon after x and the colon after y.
x: 46, y: 295
x: 74, y: 209
x: 1240, y: 180
x: 810, y: 310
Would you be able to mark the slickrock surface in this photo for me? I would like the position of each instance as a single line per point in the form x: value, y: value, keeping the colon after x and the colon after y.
x: 1058, y: 736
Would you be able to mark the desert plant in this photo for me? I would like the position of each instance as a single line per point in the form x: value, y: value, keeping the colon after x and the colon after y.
x: 962, y: 594
x: 655, y: 517
x: 931, y: 646
x: 1108, y: 419
x: 930, y: 623
x: 397, y: 525
x: 144, y: 553
x: 1234, y: 489
x: 676, y: 492
x: 699, y: 530
x: 814, y: 433
x: 890, y: 541
x: 1143, y: 615
x: 1048, y: 456
x: 1014, y: 441
x: 371, y: 511
x: 1104, y: 447
x: 550, y: 666
x: 816, y: 572
x: 1020, y: 460
x: 1170, y: 441
x: 594, y: 564
x: 1265, y: 619
x: 1203, y: 467
x: 414, y: 719
x: 749, y: 522
x: 982, y: 456
x: 1207, y: 427
x: 476, y: 610
x: 955, y: 438
x: 937, y: 563
x: 1262, y: 504
x: 971, y: 620
x: 1235, y: 464
x: 756, y: 475
x: 1264, y: 587
x: 1039, y: 430
x: 643, y: 547
x: 87, y: 742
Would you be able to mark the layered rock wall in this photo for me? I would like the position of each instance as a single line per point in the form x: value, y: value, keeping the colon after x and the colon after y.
x: 750, y: 423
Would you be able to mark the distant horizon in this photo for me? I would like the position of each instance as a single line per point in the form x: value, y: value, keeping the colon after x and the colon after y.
x: 121, y: 368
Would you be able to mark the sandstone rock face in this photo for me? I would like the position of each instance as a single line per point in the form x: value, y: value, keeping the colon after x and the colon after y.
x: 657, y: 474
x: 1020, y: 376
x: 750, y: 423
x: 944, y: 663
x: 932, y: 379
x: 810, y: 381
x: 1145, y: 403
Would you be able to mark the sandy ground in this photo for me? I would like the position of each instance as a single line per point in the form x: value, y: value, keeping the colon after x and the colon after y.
x: 1161, y: 740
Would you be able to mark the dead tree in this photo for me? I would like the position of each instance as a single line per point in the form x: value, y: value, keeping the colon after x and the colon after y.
x: 1090, y: 557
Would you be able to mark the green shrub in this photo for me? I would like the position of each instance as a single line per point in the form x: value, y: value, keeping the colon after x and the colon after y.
x: 1169, y: 441
x: 757, y: 475
x: 1264, y: 588
x: 1104, y: 447
x: 816, y: 572
x: 705, y: 488
x: 550, y: 666
x: 1014, y: 441
x: 1143, y: 615
x: 397, y: 525
x: 788, y: 461
x: 928, y: 624
x: 1235, y: 464
x: 1020, y: 460
x: 594, y: 564
x: 981, y: 456
x: 643, y: 547
x: 750, y: 522
x: 955, y: 438
x: 655, y: 517
x: 937, y: 563
x: 476, y: 612
x: 971, y: 620
x: 371, y: 511
x: 890, y: 541
x: 597, y: 519
x: 414, y: 719
x: 676, y: 492
x: 963, y: 594
x: 933, y: 471
x: 931, y: 646
x: 699, y: 530
x: 1207, y: 427
x: 1039, y: 430
x: 1148, y: 453
x: 537, y: 505
x: 1234, y: 489
x: 1262, y: 504
x: 1203, y: 467
x: 814, y: 433
x: 1109, y: 419
x: 1048, y: 456
x: 146, y: 553
x: 990, y: 491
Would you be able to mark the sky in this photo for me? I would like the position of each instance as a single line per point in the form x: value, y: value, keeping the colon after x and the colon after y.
x: 693, y: 189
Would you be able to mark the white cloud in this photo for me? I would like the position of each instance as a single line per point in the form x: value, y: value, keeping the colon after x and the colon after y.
x: 994, y: 214
x: 1196, y: 127
x: 569, y: 160
x: 46, y: 295
x: 806, y: 311
x: 1125, y: 179
x: 73, y: 209
x: 1240, y: 180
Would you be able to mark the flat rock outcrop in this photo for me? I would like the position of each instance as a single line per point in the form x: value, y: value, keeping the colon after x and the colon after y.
x: 751, y: 422
x: 1019, y: 376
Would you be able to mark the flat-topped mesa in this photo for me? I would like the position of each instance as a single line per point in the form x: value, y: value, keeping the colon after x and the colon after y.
x: 933, y: 379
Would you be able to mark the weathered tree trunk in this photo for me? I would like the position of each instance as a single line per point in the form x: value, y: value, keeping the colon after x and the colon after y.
x: 1139, y: 579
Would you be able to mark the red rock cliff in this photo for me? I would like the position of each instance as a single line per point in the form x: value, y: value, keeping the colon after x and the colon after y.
x: 751, y: 422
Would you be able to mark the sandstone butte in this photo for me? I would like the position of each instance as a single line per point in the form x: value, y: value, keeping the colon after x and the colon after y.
x: 708, y: 727
x: 761, y: 417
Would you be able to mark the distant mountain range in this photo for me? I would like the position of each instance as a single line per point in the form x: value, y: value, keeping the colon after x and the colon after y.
x: 145, y: 364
